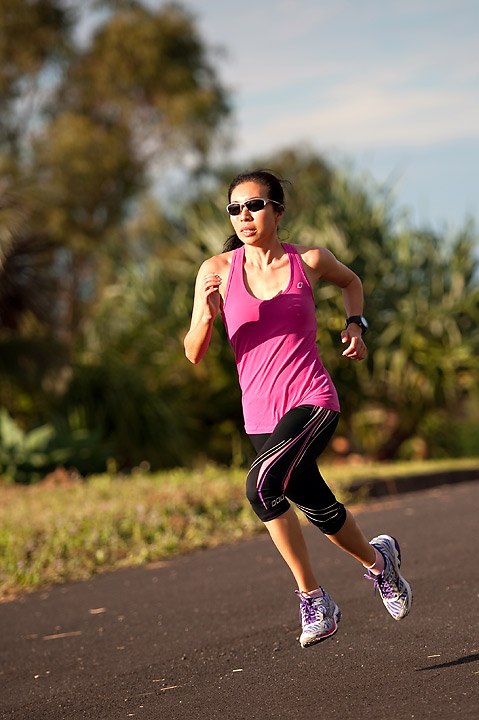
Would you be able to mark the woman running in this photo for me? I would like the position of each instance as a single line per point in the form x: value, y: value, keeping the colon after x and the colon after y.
x: 263, y: 290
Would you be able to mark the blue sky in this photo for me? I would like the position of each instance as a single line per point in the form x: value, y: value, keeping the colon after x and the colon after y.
x: 390, y: 89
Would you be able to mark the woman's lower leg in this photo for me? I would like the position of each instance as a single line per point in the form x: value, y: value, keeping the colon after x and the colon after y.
x: 351, y: 539
x: 287, y: 535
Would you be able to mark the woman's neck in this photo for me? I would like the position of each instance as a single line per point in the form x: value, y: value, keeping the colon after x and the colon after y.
x: 264, y: 254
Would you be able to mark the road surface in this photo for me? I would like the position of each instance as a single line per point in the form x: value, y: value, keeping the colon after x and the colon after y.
x: 214, y: 634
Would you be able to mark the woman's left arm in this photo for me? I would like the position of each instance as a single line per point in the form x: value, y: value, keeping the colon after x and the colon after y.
x: 323, y: 265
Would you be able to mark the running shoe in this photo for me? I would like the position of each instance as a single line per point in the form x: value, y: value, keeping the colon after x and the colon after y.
x: 319, y: 618
x: 394, y: 590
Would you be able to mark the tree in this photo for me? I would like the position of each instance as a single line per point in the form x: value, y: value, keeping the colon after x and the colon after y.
x: 89, y: 122
x: 423, y: 365
x: 82, y: 128
x: 34, y: 41
x: 150, y: 71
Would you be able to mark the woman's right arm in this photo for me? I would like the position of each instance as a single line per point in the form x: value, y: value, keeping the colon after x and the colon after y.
x: 205, y: 308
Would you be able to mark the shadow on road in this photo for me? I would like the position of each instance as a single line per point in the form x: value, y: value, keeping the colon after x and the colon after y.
x: 452, y: 663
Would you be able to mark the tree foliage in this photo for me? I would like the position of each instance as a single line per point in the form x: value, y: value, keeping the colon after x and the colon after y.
x: 150, y: 72
x: 34, y: 40
x: 83, y: 124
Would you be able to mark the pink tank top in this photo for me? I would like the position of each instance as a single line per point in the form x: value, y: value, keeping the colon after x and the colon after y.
x: 274, y: 342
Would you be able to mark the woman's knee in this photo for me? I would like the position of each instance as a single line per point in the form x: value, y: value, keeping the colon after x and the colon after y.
x: 268, y: 500
x: 328, y: 519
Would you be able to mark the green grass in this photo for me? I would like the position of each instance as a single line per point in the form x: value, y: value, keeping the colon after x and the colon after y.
x: 57, y: 533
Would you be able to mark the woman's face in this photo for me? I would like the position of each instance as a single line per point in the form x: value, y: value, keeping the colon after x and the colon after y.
x: 255, y: 227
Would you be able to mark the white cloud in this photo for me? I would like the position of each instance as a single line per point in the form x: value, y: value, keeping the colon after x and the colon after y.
x: 419, y: 89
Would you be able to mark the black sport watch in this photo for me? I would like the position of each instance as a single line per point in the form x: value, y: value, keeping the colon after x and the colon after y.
x: 358, y: 320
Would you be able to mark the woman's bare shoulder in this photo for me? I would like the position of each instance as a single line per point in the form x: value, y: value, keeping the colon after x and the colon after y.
x: 217, y: 263
x: 311, y: 255
x: 317, y: 261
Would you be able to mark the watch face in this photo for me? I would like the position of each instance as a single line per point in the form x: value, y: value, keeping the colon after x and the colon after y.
x: 364, y: 321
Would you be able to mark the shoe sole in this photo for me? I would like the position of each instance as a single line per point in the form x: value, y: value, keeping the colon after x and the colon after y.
x: 397, y: 564
x: 314, y: 641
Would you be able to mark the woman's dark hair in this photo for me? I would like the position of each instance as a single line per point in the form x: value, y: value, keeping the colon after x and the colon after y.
x: 263, y: 177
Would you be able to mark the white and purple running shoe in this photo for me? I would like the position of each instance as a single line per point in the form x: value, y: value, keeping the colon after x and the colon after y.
x: 319, y: 618
x: 394, y: 590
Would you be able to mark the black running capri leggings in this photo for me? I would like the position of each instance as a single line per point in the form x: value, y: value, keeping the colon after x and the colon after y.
x: 285, y: 469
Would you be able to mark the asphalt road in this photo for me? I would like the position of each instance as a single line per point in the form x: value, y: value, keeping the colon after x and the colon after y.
x: 214, y: 634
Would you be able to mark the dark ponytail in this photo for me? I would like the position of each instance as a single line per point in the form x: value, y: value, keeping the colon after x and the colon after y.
x: 232, y: 243
x: 263, y: 177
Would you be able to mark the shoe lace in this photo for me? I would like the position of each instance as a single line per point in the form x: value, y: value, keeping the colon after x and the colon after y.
x: 381, y: 583
x: 310, y: 608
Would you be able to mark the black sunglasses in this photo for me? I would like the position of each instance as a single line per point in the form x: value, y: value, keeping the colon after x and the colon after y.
x: 253, y: 205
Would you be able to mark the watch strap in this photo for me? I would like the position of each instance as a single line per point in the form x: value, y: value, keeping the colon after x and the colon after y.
x: 357, y: 320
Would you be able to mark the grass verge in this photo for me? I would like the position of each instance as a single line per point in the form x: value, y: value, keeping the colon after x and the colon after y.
x: 58, y: 533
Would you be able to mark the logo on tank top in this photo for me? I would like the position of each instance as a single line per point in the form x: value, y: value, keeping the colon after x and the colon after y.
x: 299, y: 285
